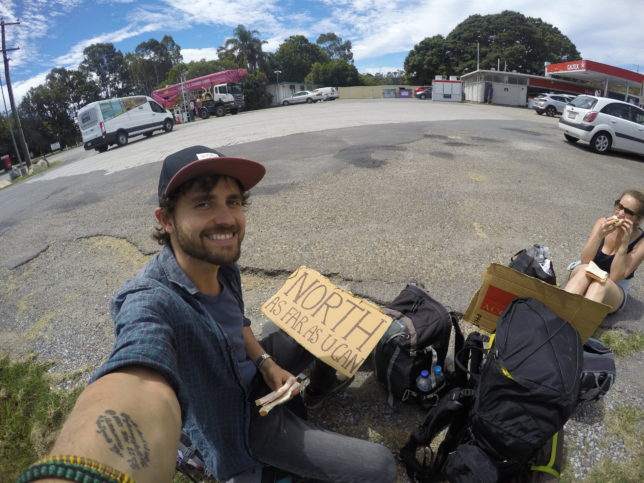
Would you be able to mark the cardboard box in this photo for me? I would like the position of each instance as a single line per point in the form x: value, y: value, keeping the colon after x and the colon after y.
x: 501, y: 284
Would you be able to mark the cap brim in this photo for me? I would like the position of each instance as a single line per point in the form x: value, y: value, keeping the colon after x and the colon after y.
x: 247, y: 172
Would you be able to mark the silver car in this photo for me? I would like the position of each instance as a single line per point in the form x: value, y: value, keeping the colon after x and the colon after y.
x: 551, y: 104
x: 605, y: 124
x: 302, y: 96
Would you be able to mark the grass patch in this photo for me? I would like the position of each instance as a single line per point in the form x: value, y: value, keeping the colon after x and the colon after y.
x: 627, y: 423
x: 622, y: 343
x: 31, y: 414
x: 27, y: 176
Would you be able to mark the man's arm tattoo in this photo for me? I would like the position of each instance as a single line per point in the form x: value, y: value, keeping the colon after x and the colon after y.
x: 124, y: 438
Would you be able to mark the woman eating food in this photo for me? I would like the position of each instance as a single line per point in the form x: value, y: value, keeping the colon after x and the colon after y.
x: 616, y: 246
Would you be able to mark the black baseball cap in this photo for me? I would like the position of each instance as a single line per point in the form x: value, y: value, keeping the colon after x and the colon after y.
x: 197, y: 161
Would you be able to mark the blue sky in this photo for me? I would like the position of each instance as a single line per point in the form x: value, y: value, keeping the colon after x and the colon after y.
x: 53, y: 33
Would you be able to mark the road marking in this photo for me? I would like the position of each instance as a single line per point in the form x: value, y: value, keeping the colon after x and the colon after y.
x: 479, y: 230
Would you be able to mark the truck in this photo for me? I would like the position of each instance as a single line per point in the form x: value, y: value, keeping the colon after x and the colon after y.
x: 214, y: 94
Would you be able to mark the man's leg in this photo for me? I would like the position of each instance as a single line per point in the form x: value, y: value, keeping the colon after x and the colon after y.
x: 294, y: 358
x: 285, y: 441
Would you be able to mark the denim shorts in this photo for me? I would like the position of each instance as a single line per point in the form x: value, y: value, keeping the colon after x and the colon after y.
x: 625, y: 285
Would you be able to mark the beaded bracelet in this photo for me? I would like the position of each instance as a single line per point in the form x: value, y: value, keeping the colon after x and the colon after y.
x: 66, y: 471
x: 73, y: 468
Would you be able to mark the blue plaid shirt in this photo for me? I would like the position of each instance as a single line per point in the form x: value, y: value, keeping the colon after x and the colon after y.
x: 160, y: 324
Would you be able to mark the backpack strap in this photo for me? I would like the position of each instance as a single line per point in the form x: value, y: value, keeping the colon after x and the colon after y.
x: 556, y: 453
x: 467, y: 361
x: 451, y: 409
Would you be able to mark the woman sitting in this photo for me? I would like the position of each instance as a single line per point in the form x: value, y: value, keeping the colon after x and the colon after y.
x: 616, y: 245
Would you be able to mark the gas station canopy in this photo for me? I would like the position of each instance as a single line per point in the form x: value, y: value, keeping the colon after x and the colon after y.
x: 603, y: 74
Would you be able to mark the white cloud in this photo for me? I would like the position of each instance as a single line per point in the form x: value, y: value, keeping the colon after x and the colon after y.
x: 20, y: 88
x: 75, y: 56
x: 190, y: 55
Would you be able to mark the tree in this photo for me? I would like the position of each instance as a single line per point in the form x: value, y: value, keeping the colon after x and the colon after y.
x: 428, y: 59
x: 254, y: 85
x: 336, y: 73
x: 296, y: 56
x: 104, y: 61
x: 245, y: 48
x: 335, y: 48
x: 510, y: 39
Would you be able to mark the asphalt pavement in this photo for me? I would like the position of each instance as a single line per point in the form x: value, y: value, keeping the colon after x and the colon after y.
x: 371, y: 193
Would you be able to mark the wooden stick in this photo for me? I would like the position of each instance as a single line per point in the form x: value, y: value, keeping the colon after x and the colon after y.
x: 284, y: 388
x: 264, y: 410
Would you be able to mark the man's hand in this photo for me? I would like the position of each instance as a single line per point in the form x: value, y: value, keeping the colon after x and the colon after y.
x: 274, y: 376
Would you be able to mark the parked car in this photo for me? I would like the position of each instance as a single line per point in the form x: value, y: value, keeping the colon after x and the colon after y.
x: 551, y: 104
x: 604, y: 123
x: 327, y: 93
x: 421, y: 88
x: 426, y: 93
x: 302, y: 96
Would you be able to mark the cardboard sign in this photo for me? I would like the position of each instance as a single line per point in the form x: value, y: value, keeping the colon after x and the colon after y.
x: 502, y: 284
x: 337, y: 327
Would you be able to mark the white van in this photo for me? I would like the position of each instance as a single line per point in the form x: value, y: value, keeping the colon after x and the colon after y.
x: 114, y: 121
x: 327, y: 93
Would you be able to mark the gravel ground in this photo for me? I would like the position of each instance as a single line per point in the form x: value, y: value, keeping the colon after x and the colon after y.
x: 389, y: 192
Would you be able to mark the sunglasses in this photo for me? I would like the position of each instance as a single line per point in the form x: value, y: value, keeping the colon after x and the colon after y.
x: 619, y: 206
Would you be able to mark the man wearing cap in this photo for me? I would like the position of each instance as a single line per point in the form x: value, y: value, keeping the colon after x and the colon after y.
x: 185, y: 356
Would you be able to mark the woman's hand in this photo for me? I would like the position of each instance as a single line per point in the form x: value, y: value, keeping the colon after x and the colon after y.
x: 626, y: 228
x: 608, y: 225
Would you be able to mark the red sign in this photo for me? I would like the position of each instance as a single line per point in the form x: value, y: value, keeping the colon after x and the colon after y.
x: 496, y: 300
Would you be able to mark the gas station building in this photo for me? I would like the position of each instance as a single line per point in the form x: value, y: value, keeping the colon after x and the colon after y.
x: 575, y: 77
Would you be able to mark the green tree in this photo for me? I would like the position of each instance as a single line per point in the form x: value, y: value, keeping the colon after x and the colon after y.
x: 254, y: 85
x: 427, y: 59
x: 106, y: 63
x: 510, y: 39
x: 389, y: 79
x: 335, y: 48
x: 337, y: 73
x: 244, y: 48
x: 296, y: 56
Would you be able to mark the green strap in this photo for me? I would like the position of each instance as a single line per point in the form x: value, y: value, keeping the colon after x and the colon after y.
x: 548, y: 468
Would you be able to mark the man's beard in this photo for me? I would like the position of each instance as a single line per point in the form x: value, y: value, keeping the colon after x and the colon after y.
x: 196, y: 248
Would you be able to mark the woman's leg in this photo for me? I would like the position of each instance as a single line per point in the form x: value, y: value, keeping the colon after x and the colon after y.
x: 607, y: 292
x: 578, y: 282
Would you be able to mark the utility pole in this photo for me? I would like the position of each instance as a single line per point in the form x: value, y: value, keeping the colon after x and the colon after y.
x: 12, y: 102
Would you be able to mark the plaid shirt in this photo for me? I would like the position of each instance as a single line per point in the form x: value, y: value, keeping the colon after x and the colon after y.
x: 160, y: 324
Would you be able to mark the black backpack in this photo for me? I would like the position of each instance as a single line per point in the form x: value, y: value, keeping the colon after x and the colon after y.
x: 599, y: 373
x: 525, y: 261
x: 503, y: 415
x: 417, y: 339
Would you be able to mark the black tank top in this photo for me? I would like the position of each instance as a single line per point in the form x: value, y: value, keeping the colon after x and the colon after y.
x: 604, y: 261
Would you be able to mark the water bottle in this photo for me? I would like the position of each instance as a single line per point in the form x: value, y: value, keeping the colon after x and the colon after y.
x: 438, y: 376
x: 540, y: 255
x: 422, y: 381
x: 543, y: 257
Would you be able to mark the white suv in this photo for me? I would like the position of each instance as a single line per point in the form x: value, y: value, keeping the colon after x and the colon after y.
x: 551, y: 104
x: 604, y: 123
